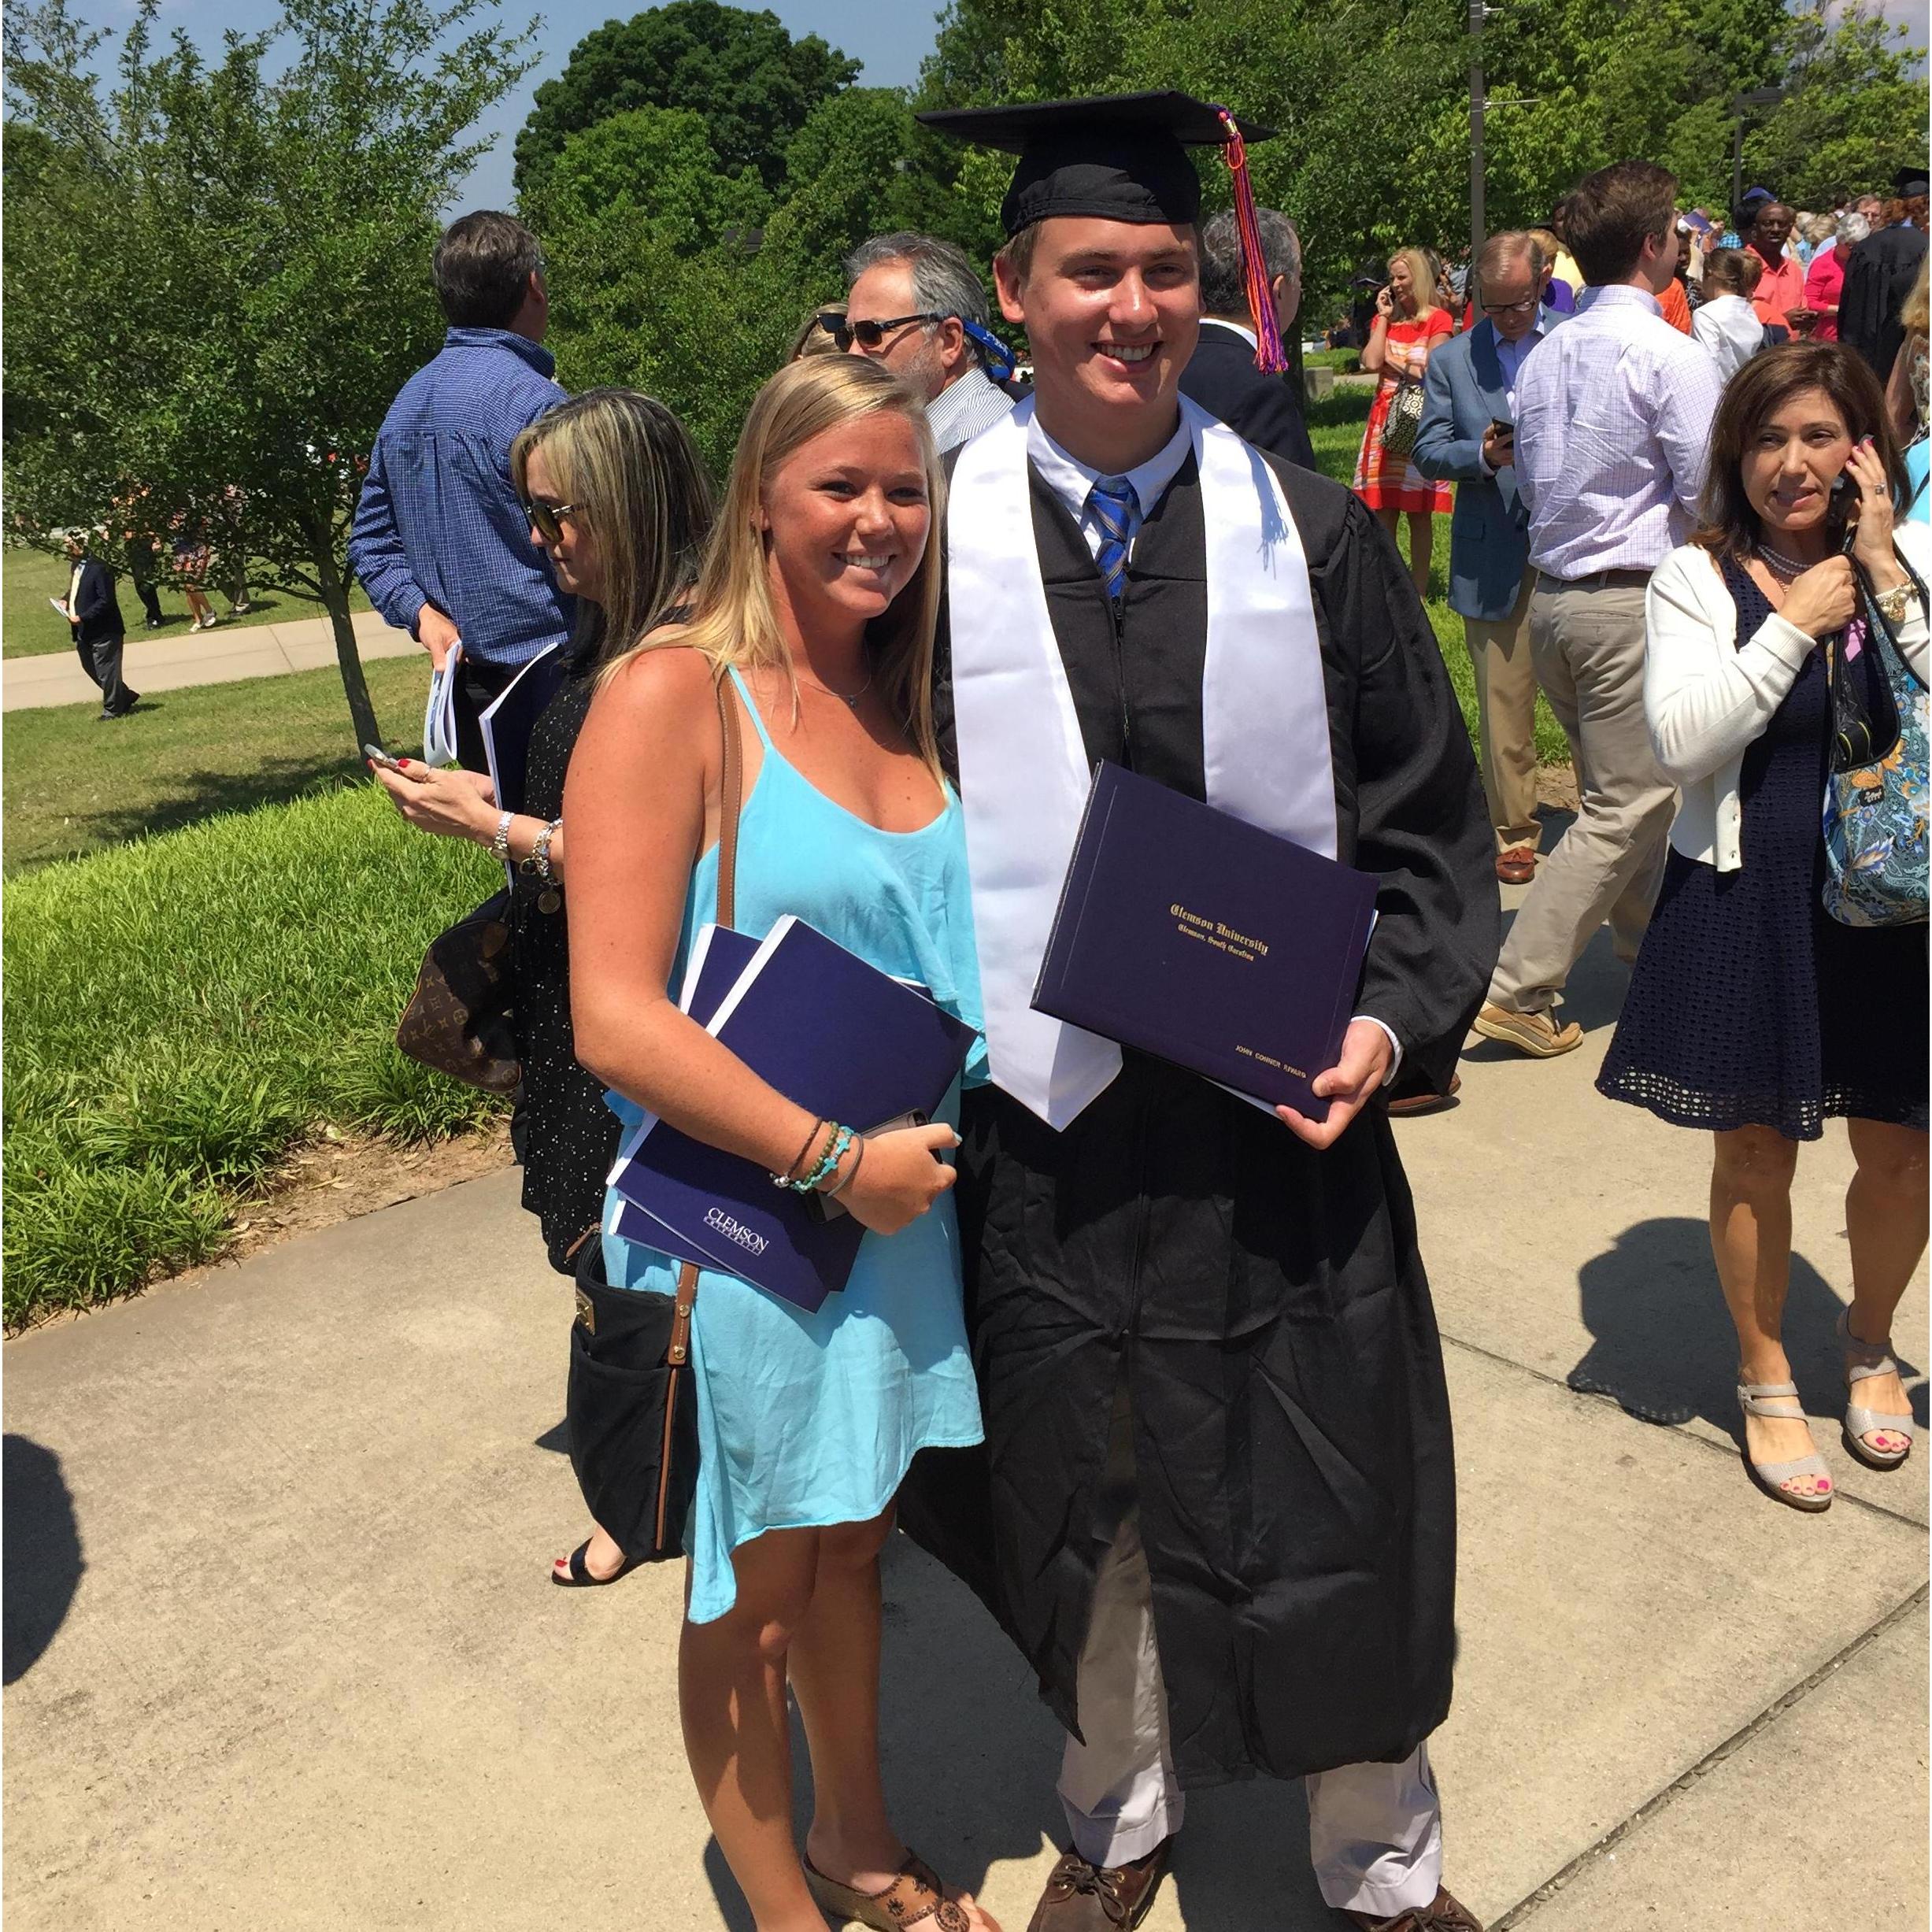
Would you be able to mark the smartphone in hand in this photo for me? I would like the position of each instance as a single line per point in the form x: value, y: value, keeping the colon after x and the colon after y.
x: 376, y: 756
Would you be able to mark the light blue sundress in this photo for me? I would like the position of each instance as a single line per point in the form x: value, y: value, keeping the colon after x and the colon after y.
x: 809, y: 1419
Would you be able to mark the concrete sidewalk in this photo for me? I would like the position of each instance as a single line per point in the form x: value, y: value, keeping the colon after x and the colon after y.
x: 222, y: 656
x: 282, y: 1653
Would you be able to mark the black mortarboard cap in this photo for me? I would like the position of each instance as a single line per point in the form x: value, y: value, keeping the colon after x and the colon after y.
x: 1120, y: 157
x: 1909, y: 181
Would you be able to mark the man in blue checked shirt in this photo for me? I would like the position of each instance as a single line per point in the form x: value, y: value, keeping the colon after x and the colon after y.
x: 440, y: 543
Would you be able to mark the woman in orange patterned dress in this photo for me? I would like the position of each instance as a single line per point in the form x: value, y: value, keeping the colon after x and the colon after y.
x: 1407, y: 325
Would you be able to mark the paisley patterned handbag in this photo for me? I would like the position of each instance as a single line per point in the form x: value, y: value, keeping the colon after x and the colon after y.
x: 1405, y: 417
x: 1875, y: 795
x: 460, y: 1019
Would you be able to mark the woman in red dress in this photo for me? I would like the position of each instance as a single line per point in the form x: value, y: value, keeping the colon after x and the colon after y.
x: 1407, y: 325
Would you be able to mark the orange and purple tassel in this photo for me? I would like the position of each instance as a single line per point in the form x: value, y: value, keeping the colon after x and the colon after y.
x: 1270, y: 358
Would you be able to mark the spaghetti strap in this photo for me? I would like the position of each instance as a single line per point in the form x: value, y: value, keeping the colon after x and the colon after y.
x: 765, y: 737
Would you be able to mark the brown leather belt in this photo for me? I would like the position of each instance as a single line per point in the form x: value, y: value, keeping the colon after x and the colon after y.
x: 1598, y: 580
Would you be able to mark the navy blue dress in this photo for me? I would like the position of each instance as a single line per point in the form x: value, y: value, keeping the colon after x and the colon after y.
x: 1749, y: 1004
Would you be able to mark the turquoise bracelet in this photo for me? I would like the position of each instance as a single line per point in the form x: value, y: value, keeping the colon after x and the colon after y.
x: 828, y: 1163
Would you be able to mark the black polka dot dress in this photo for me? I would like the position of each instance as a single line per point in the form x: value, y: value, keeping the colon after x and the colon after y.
x: 1749, y: 1004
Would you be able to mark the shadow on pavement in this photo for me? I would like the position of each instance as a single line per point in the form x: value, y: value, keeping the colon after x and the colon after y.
x: 1664, y: 1348
x: 40, y: 1550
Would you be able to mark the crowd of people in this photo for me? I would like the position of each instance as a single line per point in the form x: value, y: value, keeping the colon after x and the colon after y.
x: 865, y: 685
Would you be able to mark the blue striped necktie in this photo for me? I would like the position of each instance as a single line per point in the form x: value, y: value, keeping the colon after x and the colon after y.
x: 1118, y: 512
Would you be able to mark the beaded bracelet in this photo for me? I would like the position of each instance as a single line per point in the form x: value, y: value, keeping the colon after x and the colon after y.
x: 851, y: 1173
x: 1891, y: 603
x: 828, y: 1164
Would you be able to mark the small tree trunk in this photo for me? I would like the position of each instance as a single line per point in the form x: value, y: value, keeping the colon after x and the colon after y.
x: 334, y: 585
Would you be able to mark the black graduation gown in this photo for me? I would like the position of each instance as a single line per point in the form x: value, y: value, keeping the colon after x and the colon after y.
x: 1265, y: 1303
x: 1878, y: 276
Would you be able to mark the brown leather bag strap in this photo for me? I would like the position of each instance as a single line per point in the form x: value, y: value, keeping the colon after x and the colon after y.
x: 731, y: 802
x: 677, y: 1355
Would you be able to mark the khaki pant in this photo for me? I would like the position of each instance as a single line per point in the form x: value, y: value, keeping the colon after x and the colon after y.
x: 1586, y: 641
x: 1499, y: 655
x: 1374, y: 1830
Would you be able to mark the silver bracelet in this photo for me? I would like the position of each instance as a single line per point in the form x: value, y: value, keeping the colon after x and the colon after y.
x: 541, y: 850
x: 500, y: 844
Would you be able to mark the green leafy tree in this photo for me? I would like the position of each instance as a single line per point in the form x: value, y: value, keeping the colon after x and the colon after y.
x: 755, y: 84
x: 216, y: 271
x: 1372, y: 103
x: 653, y: 163
x: 861, y: 165
x: 1855, y: 112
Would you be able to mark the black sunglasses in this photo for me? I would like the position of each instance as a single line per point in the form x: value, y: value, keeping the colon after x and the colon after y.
x: 547, y: 518
x: 869, y: 335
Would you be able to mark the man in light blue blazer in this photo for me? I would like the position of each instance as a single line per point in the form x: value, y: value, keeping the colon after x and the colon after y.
x: 1467, y: 437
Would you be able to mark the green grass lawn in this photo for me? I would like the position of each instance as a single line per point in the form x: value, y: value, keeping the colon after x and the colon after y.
x: 1335, y: 423
x: 72, y: 787
x: 29, y: 629
x: 181, y: 1011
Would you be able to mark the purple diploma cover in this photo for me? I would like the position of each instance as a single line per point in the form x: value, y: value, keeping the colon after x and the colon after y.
x: 1192, y: 935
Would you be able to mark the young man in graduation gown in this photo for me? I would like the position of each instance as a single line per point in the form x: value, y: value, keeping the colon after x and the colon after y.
x: 1216, y: 1508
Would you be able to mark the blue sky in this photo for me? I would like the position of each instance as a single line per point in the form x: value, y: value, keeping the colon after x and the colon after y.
x: 891, y: 37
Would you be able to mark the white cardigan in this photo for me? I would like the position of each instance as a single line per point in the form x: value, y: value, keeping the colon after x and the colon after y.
x: 1707, y: 698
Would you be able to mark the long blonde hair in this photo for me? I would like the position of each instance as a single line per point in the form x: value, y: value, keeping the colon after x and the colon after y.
x: 630, y: 471
x: 733, y: 620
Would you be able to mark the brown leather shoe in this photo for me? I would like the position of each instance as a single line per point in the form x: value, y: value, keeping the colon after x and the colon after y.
x: 1080, y: 1897
x: 1517, y: 866
x: 1445, y: 1916
x: 1424, y: 1100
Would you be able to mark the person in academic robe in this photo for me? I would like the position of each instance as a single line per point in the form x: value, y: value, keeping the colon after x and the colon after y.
x: 1215, y: 1506
x: 1878, y: 276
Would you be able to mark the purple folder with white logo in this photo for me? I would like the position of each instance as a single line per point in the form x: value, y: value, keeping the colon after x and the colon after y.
x: 831, y: 1032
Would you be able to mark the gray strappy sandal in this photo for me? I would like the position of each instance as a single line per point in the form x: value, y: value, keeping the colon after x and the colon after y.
x: 1863, y: 1361
x: 1778, y: 1400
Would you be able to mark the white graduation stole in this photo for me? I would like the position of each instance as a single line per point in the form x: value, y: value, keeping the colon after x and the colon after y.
x: 1023, y: 771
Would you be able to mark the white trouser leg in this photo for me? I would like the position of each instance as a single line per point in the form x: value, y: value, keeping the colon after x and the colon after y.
x: 1374, y: 1830
x: 1117, y: 1788
x: 1375, y: 1835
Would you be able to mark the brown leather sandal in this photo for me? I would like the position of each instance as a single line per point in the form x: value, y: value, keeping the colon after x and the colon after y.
x: 914, y: 1898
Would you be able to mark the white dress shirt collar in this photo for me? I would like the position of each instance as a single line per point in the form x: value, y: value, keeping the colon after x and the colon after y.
x: 1223, y: 322
x: 1069, y: 479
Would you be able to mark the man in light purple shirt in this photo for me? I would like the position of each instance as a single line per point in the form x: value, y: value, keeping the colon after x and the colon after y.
x: 1613, y: 426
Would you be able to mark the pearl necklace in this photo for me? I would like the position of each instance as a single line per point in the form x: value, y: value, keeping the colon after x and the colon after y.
x: 1779, y: 564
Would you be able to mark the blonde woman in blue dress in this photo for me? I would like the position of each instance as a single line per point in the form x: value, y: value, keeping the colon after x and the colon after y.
x: 817, y: 603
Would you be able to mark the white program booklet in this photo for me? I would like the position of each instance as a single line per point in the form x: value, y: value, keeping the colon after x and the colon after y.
x: 439, y: 713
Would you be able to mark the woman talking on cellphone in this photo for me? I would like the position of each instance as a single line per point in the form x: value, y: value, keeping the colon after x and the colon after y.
x: 813, y: 617
x: 1407, y: 325
x: 1753, y: 1014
